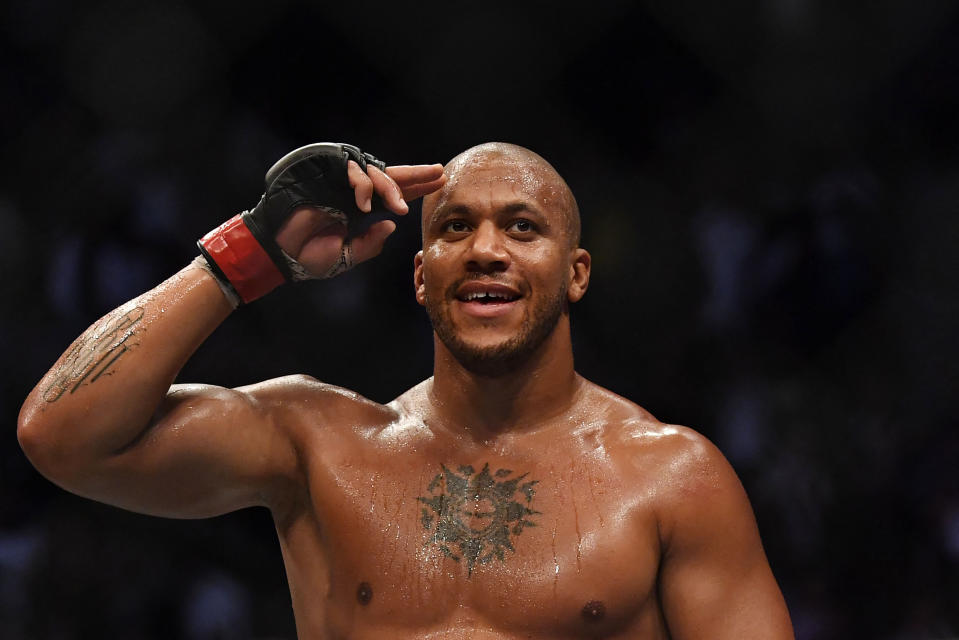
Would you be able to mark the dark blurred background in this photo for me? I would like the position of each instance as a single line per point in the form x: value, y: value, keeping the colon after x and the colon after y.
x: 769, y: 191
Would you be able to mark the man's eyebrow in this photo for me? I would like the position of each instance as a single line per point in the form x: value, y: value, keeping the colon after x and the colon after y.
x: 444, y: 211
x: 516, y: 207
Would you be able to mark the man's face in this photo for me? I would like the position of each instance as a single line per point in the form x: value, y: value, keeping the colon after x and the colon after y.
x: 495, y: 270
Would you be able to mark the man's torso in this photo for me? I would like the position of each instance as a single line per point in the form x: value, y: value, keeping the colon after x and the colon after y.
x: 407, y: 530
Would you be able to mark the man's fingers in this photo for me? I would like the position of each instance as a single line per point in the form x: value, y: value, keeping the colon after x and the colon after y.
x: 396, y: 185
x: 362, y: 186
x: 370, y: 243
x: 408, y: 174
x: 388, y: 189
x: 417, y: 180
x: 419, y: 190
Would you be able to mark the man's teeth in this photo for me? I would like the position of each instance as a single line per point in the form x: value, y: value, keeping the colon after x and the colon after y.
x: 487, y: 296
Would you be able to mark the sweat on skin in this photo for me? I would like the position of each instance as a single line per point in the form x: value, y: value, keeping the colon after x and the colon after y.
x: 504, y: 497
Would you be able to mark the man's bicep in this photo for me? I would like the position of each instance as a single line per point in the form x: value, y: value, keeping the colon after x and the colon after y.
x: 715, y: 580
x: 208, y: 451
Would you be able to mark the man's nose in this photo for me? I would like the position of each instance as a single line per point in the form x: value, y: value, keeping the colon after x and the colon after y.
x: 487, y: 251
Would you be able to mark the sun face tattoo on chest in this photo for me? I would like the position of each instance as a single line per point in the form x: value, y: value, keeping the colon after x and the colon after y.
x: 476, y: 516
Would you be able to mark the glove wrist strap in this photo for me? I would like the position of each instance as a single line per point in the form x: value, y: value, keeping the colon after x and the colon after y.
x: 237, y: 258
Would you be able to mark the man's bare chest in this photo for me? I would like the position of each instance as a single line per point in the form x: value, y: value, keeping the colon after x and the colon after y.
x: 527, y: 541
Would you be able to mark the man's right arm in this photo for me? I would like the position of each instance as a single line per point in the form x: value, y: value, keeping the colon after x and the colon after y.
x: 105, y: 422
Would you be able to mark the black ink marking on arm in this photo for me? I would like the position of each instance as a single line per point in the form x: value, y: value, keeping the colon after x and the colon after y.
x: 478, y: 513
x: 107, y: 365
x: 93, y: 355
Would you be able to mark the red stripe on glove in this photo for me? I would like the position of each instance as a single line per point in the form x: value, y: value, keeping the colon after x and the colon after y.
x: 242, y: 260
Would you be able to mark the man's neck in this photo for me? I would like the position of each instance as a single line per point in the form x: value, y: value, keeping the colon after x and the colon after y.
x: 484, y: 407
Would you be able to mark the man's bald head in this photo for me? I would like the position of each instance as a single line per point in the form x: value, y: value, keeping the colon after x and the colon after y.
x: 535, y: 175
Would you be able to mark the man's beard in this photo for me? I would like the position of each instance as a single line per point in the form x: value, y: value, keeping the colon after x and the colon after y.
x: 497, y: 360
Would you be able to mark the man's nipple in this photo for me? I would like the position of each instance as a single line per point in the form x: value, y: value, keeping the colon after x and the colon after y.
x: 364, y: 593
x: 593, y: 611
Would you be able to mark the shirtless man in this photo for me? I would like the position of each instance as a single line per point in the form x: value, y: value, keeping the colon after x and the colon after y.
x: 505, y: 497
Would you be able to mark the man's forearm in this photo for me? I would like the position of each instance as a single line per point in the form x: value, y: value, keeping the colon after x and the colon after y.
x: 102, y: 392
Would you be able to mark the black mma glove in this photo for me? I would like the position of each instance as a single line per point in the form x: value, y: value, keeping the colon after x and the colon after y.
x: 242, y: 252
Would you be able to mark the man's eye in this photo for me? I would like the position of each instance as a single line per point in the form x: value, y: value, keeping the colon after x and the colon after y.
x: 522, y: 226
x: 456, y: 226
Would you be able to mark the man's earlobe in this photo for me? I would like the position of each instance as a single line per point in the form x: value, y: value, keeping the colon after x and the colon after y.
x: 578, y: 275
x: 419, y: 284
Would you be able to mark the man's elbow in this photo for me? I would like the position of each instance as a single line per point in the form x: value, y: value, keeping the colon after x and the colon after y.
x: 42, y: 439
x: 35, y: 436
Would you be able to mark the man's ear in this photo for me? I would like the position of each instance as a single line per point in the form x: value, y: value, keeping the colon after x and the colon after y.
x: 578, y: 274
x: 418, y: 283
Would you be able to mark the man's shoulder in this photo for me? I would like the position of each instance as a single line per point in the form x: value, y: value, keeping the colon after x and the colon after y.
x: 414, y: 401
x: 640, y: 439
x: 677, y: 468
x: 304, y: 396
x: 300, y: 387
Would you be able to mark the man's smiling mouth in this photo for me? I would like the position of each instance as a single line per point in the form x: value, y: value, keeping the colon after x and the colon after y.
x: 487, y: 297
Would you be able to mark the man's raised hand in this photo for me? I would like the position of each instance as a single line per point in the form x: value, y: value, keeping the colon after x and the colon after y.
x: 315, y: 239
x: 303, y: 224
